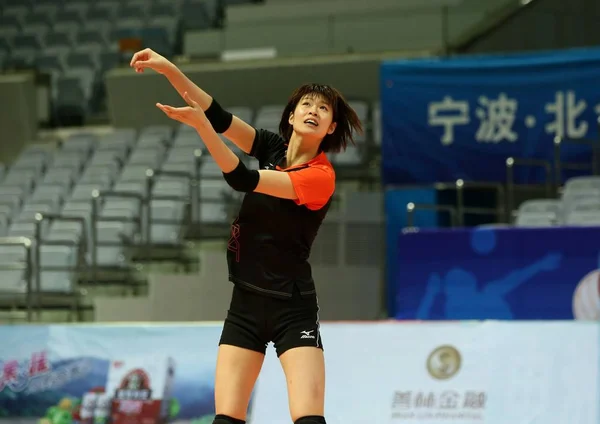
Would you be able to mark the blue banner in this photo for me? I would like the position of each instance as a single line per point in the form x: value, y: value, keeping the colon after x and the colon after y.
x: 498, y: 273
x: 444, y: 119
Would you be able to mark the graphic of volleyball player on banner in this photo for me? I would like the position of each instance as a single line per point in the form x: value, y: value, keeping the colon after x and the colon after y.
x: 459, y: 284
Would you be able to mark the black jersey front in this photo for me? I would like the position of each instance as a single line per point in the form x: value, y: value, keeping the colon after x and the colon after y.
x: 271, y: 238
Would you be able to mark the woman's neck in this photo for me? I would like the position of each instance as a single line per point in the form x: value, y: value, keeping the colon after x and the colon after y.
x: 299, y: 152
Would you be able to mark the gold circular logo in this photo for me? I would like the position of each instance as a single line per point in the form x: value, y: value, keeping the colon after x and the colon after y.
x: 444, y: 362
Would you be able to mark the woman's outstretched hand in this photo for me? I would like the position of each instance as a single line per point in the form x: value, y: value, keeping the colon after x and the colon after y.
x: 149, y: 59
x: 191, y: 115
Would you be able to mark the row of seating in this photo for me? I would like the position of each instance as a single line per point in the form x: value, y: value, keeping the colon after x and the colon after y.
x: 579, y: 204
x: 76, y: 42
x: 62, y: 181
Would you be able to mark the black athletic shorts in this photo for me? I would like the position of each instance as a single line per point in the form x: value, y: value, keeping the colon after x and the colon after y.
x: 254, y: 320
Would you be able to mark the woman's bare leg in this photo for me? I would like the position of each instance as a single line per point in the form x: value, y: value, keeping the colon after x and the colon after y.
x: 304, y: 369
x: 236, y: 374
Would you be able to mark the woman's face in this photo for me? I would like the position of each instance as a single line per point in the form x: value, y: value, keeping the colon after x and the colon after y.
x: 312, y: 118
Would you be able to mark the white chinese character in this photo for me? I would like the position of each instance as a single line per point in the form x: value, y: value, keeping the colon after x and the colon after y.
x: 456, y: 113
x: 497, y: 118
x: 566, y: 114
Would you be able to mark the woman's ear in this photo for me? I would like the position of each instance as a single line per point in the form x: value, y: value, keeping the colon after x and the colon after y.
x: 291, y: 118
x: 332, y: 128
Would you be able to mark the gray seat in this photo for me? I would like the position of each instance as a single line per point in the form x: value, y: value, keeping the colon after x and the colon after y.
x: 153, y: 141
x: 133, y: 173
x: 167, y: 217
x: 213, y: 201
x: 73, y: 15
x: 45, y: 9
x: 24, y: 179
x: 111, y: 160
x: 548, y: 209
x: 585, y: 211
x: 26, y: 42
x: 50, y: 193
x: 69, y: 160
x: 50, y: 62
x: 123, y: 137
x: 38, y: 18
x: 163, y: 131
x: 80, y: 143
x: 268, y: 117
x: 107, y: 9
x: 246, y: 114
x: 31, y: 161
x: 188, y: 139
x: 70, y: 28
x: 535, y: 219
x: 148, y: 158
x: 573, y: 195
x: 57, y: 265
x: 210, y: 169
x: 9, y: 27
x: 23, y: 57
x: 133, y: 10
x: 18, y: 12
x: 31, y: 209
x: 352, y: 156
x: 83, y: 191
x: 37, y: 29
x: 103, y: 176
x: 58, y: 175
x: 79, y: 7
x: 90, y: 38
x: 183, y: 154
x: 582, y: 183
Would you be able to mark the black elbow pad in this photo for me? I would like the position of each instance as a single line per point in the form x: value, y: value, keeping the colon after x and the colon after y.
x: 242, y: 179
x: 218, y: 117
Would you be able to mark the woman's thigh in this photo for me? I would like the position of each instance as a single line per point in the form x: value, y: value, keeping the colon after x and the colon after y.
x: 304, y: 369
x: 236, y: 374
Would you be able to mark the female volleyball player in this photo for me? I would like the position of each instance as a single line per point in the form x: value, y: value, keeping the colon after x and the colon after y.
x: 274, y: 297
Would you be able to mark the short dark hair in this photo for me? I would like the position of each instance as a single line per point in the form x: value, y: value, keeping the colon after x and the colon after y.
x: 348, y: 122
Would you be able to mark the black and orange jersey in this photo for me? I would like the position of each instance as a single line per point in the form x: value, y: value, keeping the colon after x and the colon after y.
x: 271, y: 238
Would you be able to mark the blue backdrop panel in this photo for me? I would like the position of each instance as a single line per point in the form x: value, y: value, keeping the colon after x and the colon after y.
x: 396, y: 219
x: 505, y: 273
x: 445, y: 119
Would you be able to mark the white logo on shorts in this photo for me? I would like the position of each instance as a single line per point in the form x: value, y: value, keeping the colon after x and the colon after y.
x: 307, y: 335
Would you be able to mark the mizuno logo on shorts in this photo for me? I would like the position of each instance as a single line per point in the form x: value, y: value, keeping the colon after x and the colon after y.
x: 307, y: 334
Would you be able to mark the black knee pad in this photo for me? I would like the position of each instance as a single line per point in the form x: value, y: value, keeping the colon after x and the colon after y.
x: 312, y: 419
x: 224, y: 419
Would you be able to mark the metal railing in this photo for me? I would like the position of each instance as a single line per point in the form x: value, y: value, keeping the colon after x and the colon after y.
x: 593, y: 166
x: 458, y: 211
x: 552, y: 182
x: 80, y: 245
x: 28, y: 267
x: 411, y: 208
x: 511, y: 163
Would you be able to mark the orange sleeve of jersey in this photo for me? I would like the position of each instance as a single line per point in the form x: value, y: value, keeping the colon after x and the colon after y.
x: 313, y: 185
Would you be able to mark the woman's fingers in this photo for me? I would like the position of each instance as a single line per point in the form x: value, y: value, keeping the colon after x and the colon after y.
x: 171, y: 109
x: 141, y: 55
x: 189, y: 100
